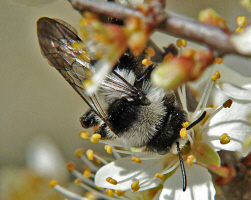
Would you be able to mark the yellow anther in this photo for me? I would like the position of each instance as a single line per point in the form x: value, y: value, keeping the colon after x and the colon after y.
x: 150, y: 51
x: 190, y: 160
x: 239, y: 29
x: 160, y: 176
x: 79, y: 153
x: 183, y: 133
x: 70, y: 166
x: 135, y: 186
x: 96, y: 136
x: 241, y: 20
x: 225, y: 138
x: 168, y: 57
x: 228, y: 103
x: 146, y: 62
x: 84, y: 135
x: 112, y: 181
x: 119, y: 193
x: 218, y: 60
x: 109, y: 192
x: 89, y: 196
x: 135, y: 159
x: 181, y: 42
x: 185, y: 124
x: 52, y: 183
x: 215, y: 76
x: 94, y: 141
x: 77, y: 181
x: 87, y: 173
x: 108, y: 149
x: 89, y: 154
x: 217, y: 73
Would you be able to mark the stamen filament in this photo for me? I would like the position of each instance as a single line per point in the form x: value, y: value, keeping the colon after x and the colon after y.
x: 92, y: 167
x: 85, y: 180
x: 68, y: 193
x: 101, y: 159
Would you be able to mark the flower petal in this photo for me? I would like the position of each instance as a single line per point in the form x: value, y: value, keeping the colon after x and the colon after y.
x: 235, y: 121
x: 199, y: 185
x: 125, y: 172
x: 234, y: 91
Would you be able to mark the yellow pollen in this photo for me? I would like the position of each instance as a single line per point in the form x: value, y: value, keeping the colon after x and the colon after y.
x: 52, y: 183
x: 94, y: 141
x: 150, y: 51
x: 135, y: 186
x: 70, y: 166
x: 241, y: 20
x: 181, y: 42
x: 190, y: 160
x: 108, y: 149
x: 215, y: 76
x: 119, y: 193
x: 96, y: 136
x: 87, y: 173
x: 135, y: 159
x: 89, y: 196
x: 168, y: 57
x: 160, y: 176
x: 146, y: 62
x: 79, y: 153
x: 112, y: 181
x: 218, y: 60
x: 183, y: 133
x: 228, y: 103
x: 239, y: 29
x: 225, y: 138
x: 89, y: 154
x: 185, y: 124
x: 84, y: 135
x: 77, y: 181
x: 109, y: 192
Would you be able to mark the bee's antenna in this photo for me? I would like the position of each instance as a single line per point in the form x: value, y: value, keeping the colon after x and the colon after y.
x: 183, y: 171
x: 197, y: 120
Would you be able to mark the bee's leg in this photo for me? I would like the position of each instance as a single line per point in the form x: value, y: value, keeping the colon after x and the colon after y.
x: 88, y: 119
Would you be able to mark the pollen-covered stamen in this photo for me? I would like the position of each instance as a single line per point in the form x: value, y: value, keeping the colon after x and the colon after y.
x: 95, y: 138
x: 215, y: 76
x: 190, y: 160
x: 183, y: 133
x: 218, y: 60
x: 150, y: 51
x: 119, y: 193
x: 71, y: 167
x: 181, y: 43
x: 225, y: 138
x: 228, y: 103
x: 88, y: 174
x: 65, y: 192
x: 108, y: 149
x: 135, y: 186
x: 135, y: 159
x: 241, y: 21
x: 80, y: 154
x: 109, y: 192
x: 160, y: 176
x: 111, y: 180
x: 84, y: 135
x: 146, y: 62
x: 89, y: 154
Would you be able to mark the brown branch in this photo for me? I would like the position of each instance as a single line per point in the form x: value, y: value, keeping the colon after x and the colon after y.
x: 212, y: 36
x: 157, y: 19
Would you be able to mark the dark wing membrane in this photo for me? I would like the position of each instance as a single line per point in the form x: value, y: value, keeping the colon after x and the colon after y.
x: 55, y: 40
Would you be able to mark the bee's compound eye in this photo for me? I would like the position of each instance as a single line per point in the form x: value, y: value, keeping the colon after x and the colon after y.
x: 87, y: 120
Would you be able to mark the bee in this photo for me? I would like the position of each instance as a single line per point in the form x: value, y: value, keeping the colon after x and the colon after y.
x: 128, y: 108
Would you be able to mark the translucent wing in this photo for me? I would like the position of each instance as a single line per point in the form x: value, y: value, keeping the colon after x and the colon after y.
x: 56, y: 39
